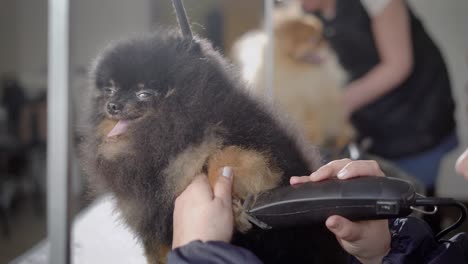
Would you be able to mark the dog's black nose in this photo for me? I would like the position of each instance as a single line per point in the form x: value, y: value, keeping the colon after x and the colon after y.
x: 114, y: 108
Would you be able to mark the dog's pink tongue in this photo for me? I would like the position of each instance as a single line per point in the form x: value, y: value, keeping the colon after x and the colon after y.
x: 119, y: 128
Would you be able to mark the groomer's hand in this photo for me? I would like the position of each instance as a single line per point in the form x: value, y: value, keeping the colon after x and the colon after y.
x: 204, y: 214
x: 368, y: 241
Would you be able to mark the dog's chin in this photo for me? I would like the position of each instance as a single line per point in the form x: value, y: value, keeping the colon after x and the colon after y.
x: 115, y: 146
x: 115, y: 139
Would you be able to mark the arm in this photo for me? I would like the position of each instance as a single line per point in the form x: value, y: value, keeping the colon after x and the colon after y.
x: 203, y: 224
x: 211, y: 252
x: 391, y: 29
x: 413, y: 242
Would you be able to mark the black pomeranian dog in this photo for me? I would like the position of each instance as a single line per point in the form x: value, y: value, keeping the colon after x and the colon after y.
x: 166, y: 108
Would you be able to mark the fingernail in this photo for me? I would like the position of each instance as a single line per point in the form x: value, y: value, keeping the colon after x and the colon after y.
x: 227, y: 172
x: 342, y: 173
x: 334, y: 224
x: 294, y: 180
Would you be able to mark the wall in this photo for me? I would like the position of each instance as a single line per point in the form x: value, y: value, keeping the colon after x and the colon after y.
x: 8, y: 31
x: 95, y: 23
x: 23, y: 25
x: 241, y: 16
x: 32, y: 44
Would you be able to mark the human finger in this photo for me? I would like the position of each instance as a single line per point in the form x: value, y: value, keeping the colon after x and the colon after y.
x: 223, y: 186
x: 329, y: 170
x: 360, y: 168
x: 344, y: 229
x: 324, y: 172
x: 198, y: 189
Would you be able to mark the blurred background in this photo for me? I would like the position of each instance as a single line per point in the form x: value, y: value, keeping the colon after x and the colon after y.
x: 95, y: 23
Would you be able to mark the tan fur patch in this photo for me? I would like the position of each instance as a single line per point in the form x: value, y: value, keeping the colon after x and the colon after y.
x: 189, y: 163
x: 157, y: 255
x: 105, y: 127
x: 253, y: 173
x: 112, y: 149
x: 345, y: 137
x: 313, y: 127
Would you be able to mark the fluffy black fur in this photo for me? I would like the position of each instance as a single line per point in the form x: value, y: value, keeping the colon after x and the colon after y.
x: 194, y: 95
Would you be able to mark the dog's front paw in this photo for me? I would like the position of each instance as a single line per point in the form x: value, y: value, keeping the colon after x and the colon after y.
x: 241, y: 221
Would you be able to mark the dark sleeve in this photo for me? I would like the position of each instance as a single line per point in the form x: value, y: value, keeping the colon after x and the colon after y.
x: 414, y: 242
x: 211, y: 252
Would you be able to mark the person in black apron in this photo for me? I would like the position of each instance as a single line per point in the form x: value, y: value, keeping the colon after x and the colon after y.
x: 399, y: 94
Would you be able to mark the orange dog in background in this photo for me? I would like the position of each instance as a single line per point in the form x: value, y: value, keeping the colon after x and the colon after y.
x: 308, y: 80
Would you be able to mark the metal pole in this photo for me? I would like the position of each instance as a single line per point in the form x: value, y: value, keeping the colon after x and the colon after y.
x: 269, y: 60
x: 59, y: 147
x: 182, y: 18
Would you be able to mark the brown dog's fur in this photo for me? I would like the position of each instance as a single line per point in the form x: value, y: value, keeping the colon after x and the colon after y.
x: 307, y: 77
x: 244, y: 163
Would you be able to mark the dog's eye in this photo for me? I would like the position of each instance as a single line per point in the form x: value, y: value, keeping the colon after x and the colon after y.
x: 109, y: 91
x: 142, y: 95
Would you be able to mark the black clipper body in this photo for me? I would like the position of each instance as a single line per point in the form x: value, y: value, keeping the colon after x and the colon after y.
x: 363, y: 198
